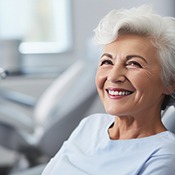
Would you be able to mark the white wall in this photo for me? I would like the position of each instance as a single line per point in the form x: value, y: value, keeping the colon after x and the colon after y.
x: 85, y: 17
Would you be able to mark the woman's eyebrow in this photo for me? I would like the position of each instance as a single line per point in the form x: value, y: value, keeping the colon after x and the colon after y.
x: 107, y: 55
x: 127, y: 57
x: 138, y: 56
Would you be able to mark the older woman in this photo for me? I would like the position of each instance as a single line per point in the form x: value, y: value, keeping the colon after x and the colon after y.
x: 135, y: 80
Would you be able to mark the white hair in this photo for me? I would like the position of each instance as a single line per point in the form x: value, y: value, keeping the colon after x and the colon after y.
x: 142, y: 21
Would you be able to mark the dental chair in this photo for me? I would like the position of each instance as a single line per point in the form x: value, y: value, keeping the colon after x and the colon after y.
x: 56, y: 113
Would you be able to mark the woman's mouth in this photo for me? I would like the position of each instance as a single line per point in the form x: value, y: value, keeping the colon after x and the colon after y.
x: 118, y: 92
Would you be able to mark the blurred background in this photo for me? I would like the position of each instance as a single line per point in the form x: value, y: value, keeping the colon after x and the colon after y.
x: 47, y: 48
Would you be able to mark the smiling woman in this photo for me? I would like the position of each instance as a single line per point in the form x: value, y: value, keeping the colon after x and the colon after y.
x: 132, y: 75
x: 135, y: 81
x: 127, y: 65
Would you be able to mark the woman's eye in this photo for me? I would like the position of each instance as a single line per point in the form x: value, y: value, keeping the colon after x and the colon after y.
x: 133, y: 64
x: 106, y: 62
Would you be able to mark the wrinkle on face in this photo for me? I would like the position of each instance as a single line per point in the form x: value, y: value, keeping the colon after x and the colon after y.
x: 119, y: 52
x: 135, y: 59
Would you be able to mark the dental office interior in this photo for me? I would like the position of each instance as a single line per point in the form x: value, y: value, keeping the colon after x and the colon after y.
x: 48, y: 61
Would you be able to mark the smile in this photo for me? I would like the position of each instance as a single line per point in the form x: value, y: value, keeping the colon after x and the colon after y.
x: 119, y: 92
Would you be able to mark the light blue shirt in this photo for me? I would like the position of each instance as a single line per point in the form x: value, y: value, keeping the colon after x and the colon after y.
x: 90, y: 151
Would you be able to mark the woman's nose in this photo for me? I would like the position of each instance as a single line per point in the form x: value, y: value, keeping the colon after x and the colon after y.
x: 117, y: 74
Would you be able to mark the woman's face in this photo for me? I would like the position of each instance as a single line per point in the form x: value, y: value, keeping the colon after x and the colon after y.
x: 128, y: 77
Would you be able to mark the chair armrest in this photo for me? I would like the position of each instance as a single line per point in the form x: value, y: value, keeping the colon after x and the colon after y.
x: 32, y: 171
x: 18, y: 97
x: 16, y: 119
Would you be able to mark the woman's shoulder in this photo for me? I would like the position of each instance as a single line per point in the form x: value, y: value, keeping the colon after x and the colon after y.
x: 94, y: 123
x: 97, y: 119
x: 168, y: 143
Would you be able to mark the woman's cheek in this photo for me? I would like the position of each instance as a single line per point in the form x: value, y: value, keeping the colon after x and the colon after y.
x: 100, y: 79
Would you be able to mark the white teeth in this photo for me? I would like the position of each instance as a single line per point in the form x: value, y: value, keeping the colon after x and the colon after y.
x: 120, y: 93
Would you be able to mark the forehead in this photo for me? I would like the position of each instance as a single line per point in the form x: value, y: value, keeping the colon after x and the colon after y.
x: 132, y: 44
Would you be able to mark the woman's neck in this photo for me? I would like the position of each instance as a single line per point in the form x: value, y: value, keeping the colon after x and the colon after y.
x: 125, y: 128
